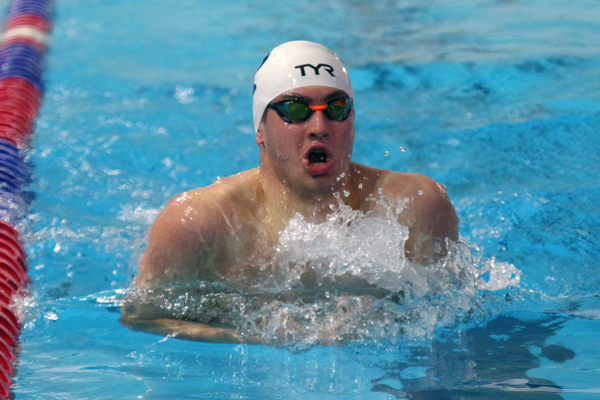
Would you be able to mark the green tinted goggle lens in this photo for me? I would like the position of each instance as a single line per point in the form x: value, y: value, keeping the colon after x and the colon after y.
x: 297, y: 111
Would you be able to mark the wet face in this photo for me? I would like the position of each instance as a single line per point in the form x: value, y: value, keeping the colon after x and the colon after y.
x: 307, y: 156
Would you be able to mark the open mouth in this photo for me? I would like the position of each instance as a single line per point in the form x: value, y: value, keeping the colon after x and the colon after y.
x: 318, y: 161
x: 317, y: 156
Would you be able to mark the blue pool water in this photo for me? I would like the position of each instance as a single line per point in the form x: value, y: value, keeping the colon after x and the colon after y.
x: 498, y: 100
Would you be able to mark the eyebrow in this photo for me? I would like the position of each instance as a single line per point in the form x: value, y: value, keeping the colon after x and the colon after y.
x: 331, y: 96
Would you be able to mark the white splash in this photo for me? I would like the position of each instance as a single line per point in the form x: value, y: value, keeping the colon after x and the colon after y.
x: 349, y: 242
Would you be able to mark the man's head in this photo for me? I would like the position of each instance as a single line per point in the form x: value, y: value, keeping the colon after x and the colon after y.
x: 294, y: 65
x: 304, y: 118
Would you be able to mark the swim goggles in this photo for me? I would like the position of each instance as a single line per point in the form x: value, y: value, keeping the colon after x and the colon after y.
x: 297, y: 111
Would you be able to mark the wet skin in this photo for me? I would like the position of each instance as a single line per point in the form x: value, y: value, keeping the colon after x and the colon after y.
x: 225, y: 231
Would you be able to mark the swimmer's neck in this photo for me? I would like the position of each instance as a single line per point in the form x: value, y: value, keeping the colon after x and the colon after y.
x: 284, y: 200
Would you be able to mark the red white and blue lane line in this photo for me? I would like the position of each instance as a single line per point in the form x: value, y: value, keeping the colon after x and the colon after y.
x: 22, y: 52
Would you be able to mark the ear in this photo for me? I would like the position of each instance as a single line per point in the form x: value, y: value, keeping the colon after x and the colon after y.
x: 260, y: 141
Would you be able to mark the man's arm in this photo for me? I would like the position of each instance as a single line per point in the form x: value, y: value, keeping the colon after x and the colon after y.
x: 149, y: 319
x: 429, y: 215
x: 186, y: 330
x: 181, y: 244
x: 182, y: 247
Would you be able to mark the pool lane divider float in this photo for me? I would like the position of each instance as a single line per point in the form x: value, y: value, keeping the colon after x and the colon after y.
x: 24, y: 43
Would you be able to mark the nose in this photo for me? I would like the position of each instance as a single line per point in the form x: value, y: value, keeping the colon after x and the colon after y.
x: 317, y: 127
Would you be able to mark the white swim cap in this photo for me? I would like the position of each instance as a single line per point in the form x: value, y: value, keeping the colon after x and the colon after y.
x: 294, y: 65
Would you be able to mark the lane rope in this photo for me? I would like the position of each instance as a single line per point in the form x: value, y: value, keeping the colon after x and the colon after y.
x: 24, y: 42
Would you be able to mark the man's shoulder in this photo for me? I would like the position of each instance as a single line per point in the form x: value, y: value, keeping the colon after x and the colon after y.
x: 398, y: 184
x: 210, y: 205
x: 427, y: 204
x: 421, y: 194
x: 411, y: 185
x: 192, y: 229
x: 222, y: 191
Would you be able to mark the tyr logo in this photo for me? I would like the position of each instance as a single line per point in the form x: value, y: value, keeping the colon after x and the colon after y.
x: 326, y: 67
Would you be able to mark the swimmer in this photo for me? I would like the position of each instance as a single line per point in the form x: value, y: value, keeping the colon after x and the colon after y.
x: 303, y: 106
